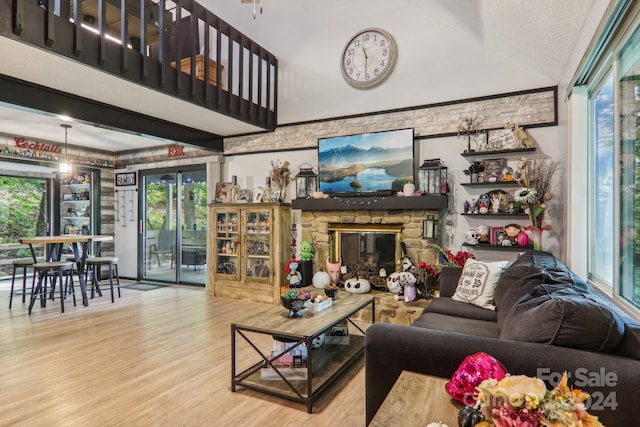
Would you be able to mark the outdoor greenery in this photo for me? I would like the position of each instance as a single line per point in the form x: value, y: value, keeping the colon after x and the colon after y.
x: 157, y: 205
x: 22, y: 205
x: 22, y: 214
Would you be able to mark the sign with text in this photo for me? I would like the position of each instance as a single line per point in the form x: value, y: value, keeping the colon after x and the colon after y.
x: 176, y: 150
x: 127, y: 178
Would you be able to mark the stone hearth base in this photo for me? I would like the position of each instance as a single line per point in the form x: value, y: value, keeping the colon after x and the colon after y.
x: 388, y: 310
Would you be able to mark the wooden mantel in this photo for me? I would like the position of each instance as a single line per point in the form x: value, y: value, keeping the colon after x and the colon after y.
x: 426, y: 202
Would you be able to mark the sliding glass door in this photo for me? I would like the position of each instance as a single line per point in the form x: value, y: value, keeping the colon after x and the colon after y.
x: 173, y: 239
x: 24, y: 212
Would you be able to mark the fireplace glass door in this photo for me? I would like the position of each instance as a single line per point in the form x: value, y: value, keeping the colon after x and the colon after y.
x: 370, y: 245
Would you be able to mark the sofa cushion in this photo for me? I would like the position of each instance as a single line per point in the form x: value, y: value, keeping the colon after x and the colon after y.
x: 449, y: 306
x: 564, y: 316
x: 529, y: 270
x: 443, y: 322
x: 477, y: 282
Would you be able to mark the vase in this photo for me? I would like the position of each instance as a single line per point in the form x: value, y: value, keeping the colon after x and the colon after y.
x: 536, y: 235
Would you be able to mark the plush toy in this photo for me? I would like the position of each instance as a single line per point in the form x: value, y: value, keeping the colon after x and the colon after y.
x: 393, y: 283
x: 293, y: 275
x: 333, y: 269
x: 306, y: 250
x: 357, y: 285
x: 408, y: 283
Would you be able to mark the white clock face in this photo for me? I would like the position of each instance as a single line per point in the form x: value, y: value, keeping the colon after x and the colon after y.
x: 369, y: 58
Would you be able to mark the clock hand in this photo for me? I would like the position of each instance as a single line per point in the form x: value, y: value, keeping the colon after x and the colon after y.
x: 366, y: 58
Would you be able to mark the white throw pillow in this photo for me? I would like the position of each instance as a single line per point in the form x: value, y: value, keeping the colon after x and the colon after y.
x: 477, y: 282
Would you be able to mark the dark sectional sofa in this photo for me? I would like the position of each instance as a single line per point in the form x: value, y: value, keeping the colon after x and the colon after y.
x: 547, y: 320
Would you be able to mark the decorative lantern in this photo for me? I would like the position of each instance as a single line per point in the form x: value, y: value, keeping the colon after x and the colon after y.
x: 433, y: 177
x: 430, y: 227
x: 306, y: 182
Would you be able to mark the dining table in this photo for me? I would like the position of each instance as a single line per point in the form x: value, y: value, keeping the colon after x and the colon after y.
x: 82, y: 244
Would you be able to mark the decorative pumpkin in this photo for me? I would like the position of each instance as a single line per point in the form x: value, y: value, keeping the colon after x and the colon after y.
x: 393, y: 283
x: 321, y: 279
x: 469, y: 416
x: 357, y: 285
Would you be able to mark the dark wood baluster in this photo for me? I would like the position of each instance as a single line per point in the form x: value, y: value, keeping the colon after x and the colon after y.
x: 49, y: 33
x: 77, y: 30
x: 124, y: 35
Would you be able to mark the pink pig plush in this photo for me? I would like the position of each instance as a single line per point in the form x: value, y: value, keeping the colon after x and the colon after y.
x: 333, y: 269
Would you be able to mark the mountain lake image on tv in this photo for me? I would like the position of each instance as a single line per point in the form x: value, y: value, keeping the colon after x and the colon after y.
x: 368, y: 162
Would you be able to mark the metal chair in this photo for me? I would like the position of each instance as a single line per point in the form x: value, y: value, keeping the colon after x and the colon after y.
x: 53, y: 270
x: 166, y: 245
x: 24, y: 264
x: 94, y: 268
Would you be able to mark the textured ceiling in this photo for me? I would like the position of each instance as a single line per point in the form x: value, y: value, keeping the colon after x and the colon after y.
x: 448, y: 50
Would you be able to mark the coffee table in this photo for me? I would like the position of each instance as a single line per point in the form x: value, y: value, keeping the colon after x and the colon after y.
x: 323, y: 365
x: 417, y: 400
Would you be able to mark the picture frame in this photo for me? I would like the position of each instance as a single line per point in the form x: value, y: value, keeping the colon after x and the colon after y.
x: 502, y: 139
x: 496, y: 235
x: 275, y: 196
x: 125, y: 179
x: 494, y: 166
x: 221, y: 191
x: 67, y: 197
x: 259, y: 195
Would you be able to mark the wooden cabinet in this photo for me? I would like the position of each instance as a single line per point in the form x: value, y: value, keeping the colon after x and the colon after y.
x: 250, y: 247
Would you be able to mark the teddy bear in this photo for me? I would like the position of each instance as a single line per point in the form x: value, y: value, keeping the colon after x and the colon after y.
x: 306, y: 250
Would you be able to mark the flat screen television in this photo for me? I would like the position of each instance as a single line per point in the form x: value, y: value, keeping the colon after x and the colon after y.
x: 366, y: 163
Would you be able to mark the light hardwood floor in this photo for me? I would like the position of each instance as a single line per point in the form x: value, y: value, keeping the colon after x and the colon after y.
x: 154, y: 358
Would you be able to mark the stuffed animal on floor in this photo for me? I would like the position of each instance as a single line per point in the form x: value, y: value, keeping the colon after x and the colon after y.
x: 402, y: 283
x: 408, y: 283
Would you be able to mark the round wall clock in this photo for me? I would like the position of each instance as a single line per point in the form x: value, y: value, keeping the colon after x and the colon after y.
x: 369, y: 58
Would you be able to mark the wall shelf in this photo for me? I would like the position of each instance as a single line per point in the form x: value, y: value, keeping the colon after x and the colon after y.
x: 493, y: 184
x: 488, y: 247
x: 494, y: 152
x: 498, y: 215
x: 427, y: 202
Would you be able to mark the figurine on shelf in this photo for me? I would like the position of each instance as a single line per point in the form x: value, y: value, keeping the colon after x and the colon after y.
x: 293, y: 275
x: 306, y: 250
x: 467, y: 207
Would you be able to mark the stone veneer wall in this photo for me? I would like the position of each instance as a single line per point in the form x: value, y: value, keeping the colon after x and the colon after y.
x: 536, y: 107
x: 315, y: 227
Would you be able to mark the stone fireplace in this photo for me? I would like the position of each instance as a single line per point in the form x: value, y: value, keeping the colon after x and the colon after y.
x: 371, y: 234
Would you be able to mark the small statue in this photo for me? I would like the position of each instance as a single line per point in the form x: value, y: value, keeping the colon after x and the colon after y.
x: 293, y: 275
x: 306, y: 250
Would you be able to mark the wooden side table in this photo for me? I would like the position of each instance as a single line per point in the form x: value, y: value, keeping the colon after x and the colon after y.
x: 415, y: 401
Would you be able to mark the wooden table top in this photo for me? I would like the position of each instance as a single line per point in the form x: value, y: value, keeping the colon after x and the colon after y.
x: 67, y: 238
x: 415, y: 401
x: 274, y: 319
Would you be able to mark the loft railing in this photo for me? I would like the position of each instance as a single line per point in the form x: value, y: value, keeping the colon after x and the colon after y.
x: 179, y: 48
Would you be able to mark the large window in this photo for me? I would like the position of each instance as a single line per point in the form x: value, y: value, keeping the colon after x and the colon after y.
x: 614, y: 171
x: 629, y: 119
x: 603, y: 182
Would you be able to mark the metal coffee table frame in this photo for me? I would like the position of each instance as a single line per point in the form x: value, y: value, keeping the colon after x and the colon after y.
x: 323, y: 365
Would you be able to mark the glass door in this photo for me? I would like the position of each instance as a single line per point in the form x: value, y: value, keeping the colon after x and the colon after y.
x: 174, y: 236
x: 193, y: 216
x: 159, y: 234
x: 24, y: 212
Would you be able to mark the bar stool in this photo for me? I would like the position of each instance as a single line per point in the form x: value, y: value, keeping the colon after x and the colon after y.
x: 54, y: 270
x: 24, y: 264
x: 94, y: 266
